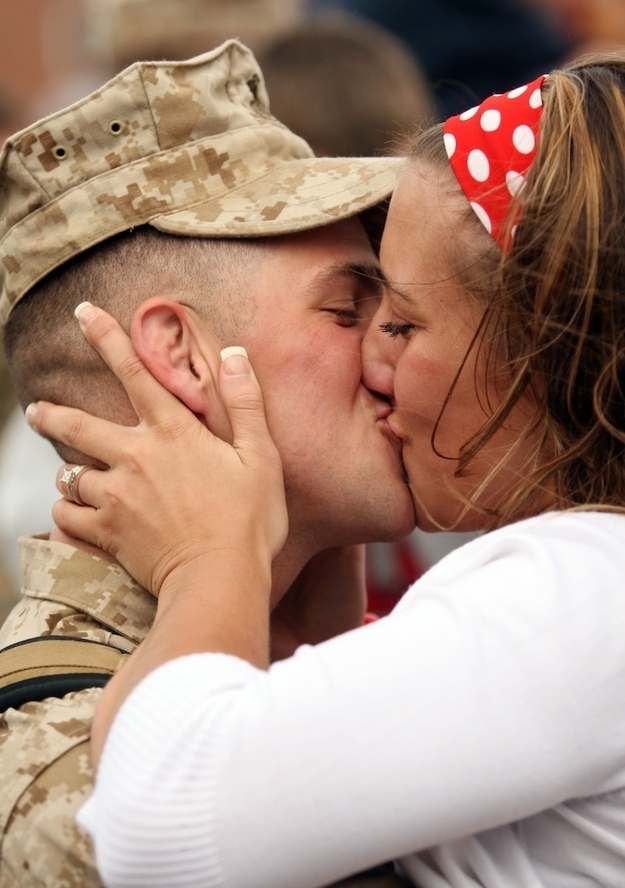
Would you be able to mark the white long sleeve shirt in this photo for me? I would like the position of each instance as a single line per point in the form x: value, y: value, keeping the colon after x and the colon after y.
x: 484, y: 719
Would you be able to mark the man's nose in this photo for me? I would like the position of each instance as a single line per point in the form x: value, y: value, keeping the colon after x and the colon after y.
x: 378, y: 366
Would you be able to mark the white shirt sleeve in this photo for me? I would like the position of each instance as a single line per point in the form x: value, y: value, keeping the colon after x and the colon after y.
x: 493, y: 692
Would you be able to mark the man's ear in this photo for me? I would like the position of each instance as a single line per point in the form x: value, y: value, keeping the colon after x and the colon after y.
x: 172, y: 344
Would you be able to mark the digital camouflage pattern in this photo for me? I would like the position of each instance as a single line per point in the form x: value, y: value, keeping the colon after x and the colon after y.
x: 188, y: 147
x: 45, y: 763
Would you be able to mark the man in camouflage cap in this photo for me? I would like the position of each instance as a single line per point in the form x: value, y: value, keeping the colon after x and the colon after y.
x: 173, y: 199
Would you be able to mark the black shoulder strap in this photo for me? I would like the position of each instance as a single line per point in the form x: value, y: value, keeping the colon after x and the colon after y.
x: 52, y: 666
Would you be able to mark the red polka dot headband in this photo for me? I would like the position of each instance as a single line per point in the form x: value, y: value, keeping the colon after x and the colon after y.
x: 491, y: 147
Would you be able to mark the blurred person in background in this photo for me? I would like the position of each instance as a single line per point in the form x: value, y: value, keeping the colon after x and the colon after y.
x: 120, y: 32
x: 347, y: 86
x: 468, y: 49
x: 9, y: 123
x: 591, y: 25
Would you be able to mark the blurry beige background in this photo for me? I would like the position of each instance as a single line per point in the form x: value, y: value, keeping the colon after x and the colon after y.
x: 39, y: 53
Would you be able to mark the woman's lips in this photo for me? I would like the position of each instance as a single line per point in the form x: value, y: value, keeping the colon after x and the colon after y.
x: 395, y: 440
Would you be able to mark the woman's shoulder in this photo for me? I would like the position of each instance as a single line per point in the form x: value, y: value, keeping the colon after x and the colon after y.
x: 548, y: 590
x: 553, y: 533
x: 564, y: 555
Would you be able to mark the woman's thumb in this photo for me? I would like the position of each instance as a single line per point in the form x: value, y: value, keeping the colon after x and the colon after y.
x: 243, y: 399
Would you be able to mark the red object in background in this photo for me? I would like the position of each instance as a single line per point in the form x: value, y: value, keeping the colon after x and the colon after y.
x: 391, y: 568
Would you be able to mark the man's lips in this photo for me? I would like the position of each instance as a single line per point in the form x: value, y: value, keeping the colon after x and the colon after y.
x: 396, y: 441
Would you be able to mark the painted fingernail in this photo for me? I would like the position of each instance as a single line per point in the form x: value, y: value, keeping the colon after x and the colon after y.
x: 235, y: 361
x: 85, y: 312
x: 31, y: 413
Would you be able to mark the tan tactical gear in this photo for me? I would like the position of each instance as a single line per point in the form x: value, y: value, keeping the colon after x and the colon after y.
x: 52, y: 666
x: 45, y: 764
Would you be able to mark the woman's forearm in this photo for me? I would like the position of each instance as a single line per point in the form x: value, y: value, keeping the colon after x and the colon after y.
x: 215, y: 603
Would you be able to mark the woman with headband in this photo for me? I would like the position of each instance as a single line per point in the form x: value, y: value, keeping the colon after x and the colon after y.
x: 477, y: 734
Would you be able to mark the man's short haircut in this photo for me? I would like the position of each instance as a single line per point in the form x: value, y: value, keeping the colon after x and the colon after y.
x: 48, y: 356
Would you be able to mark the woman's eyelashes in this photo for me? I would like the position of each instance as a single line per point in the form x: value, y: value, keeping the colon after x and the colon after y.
x: 395, y: 330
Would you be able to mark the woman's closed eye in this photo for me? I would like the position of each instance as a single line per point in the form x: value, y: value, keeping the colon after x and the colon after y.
x: 395, y: 330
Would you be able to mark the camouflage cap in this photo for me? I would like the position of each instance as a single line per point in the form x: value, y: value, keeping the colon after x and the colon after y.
x: 187, y: 147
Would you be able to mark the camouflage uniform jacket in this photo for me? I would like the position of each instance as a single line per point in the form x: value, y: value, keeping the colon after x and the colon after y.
x: 45, y: 765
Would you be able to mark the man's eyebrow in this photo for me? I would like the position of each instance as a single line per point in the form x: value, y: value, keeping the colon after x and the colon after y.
x: 367, y: 274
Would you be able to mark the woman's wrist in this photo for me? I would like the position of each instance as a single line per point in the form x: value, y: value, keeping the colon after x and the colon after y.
x: 218, y: 601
